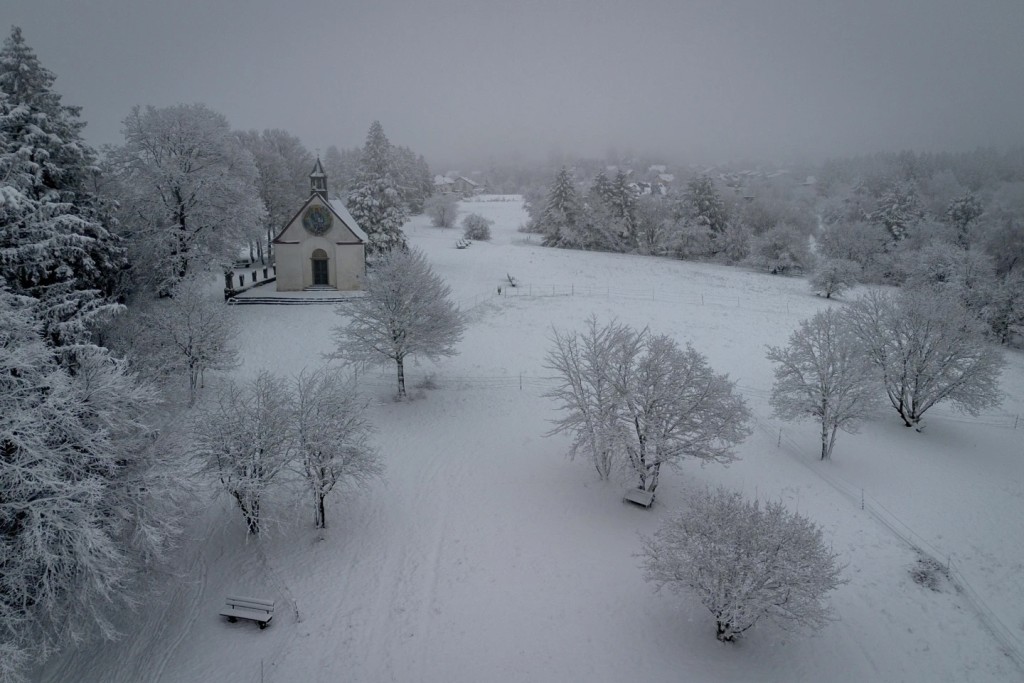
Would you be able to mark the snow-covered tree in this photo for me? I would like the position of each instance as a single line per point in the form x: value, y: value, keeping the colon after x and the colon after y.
x: 476, y: 227
x: 559, y: 221
x: 283, y: 164
x: 55, y: 242
x: 834, y: 276
x: 655, y: 227
x: 962, y: 213
x: 189, y: 333
x: 676, y: 405
x: 413, y: 179
x: 442, y: 209
x: 342, y: 168
x: 948, y: 270
x: 782, y: 249
x: 862, y: 243
x: 824, y: 374
x: 332, y: 436
x: 188, y: 190
x: 928, y: 349
x: 584, y: 363
x: 640, y: 397
x: 745, y: 561
x: 703, y: 205
x: 406, y: 312
x: 1006, y: 309
x: 375, y: 201
x: 77, y: 528
x: 245, y: 439
x: 897, y: 210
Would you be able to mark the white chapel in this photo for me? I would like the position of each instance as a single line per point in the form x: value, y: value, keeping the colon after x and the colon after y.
x: 322, y: 246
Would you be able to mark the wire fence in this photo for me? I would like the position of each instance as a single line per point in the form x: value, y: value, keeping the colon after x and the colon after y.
x: 1010, y: 644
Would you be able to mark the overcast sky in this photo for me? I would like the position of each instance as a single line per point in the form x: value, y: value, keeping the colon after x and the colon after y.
x: 472, y: 80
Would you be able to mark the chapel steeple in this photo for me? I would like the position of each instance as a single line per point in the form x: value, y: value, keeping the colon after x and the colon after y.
x: 318, y: 180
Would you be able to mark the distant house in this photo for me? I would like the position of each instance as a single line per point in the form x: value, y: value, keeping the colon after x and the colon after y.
x: 465, y: 186
x: 443, y: 184
x: 322, y: 246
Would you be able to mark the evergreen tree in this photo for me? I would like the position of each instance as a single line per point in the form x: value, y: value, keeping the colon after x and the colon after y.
x: 560, y: 221
x: 962, y: 214
x: 703, y: 206
x: 898, y: 209
x: 623, y: 204
x: 375, y: 202
x: 54, y: 244
x: 342, y: 168
x: 601, y: 190
x: 413, y: 178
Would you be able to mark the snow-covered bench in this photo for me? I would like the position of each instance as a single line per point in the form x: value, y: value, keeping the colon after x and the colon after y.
x: 638, y: 496
x: 260, y: 611
x: 462, y: 244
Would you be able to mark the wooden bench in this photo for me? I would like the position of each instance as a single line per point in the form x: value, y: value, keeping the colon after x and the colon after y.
x: 638, y: 496
x: 255, y: 609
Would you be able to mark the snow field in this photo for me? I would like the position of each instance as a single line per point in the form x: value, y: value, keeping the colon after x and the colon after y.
x: 485, y: 554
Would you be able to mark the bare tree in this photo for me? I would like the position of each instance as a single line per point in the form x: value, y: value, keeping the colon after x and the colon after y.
x: 676, y: 405
x: 406, y: 312
x: 928, y: 349
x: 641, y: 397
x: 834, y: 276
x: 584, y: 364
x: 245, y: 438
x: 745, y: 561
x: 442, y: 209
x: 332, y: 435
x: 824, y: 374
x: 190, y: 333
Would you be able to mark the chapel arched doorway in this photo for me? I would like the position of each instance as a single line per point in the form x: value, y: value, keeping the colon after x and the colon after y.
x: 320, y: 268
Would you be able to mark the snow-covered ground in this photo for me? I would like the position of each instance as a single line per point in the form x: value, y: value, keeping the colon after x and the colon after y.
x: 485, y: 555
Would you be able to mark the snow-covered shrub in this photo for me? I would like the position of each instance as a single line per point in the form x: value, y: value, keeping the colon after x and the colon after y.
x: 476, y: 227
x: 834, y: 276
x: 781, y: 250
x: 442, y: 209
x: 745, y: 560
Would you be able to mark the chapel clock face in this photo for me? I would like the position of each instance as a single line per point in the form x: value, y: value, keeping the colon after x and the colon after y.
x: 317, y: 219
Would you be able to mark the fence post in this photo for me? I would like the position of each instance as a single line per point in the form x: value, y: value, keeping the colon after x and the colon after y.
x: 778, y: 444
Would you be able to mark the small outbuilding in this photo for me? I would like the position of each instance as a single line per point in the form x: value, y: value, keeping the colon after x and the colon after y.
x: 322, y: 246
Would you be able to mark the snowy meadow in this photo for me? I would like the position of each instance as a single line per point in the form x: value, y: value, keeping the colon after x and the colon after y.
x: 485, y: 554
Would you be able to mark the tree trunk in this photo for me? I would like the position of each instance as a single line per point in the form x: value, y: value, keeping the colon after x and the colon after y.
x: 321, y: 515
x: 655, y: 474
x: 401, y: 377
x: 826, y: 448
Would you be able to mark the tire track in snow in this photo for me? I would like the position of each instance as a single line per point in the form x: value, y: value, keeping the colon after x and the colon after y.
x: 197, y: 598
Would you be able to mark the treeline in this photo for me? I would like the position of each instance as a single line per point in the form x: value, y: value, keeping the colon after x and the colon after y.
x: 953, y: 221
x: 108, y: 328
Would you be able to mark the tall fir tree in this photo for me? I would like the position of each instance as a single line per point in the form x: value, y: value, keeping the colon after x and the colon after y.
x: 375, y: 201
x: 623, y: 203
x: 702, y: 205
x: 560, y: 220
x: 55, y: 245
